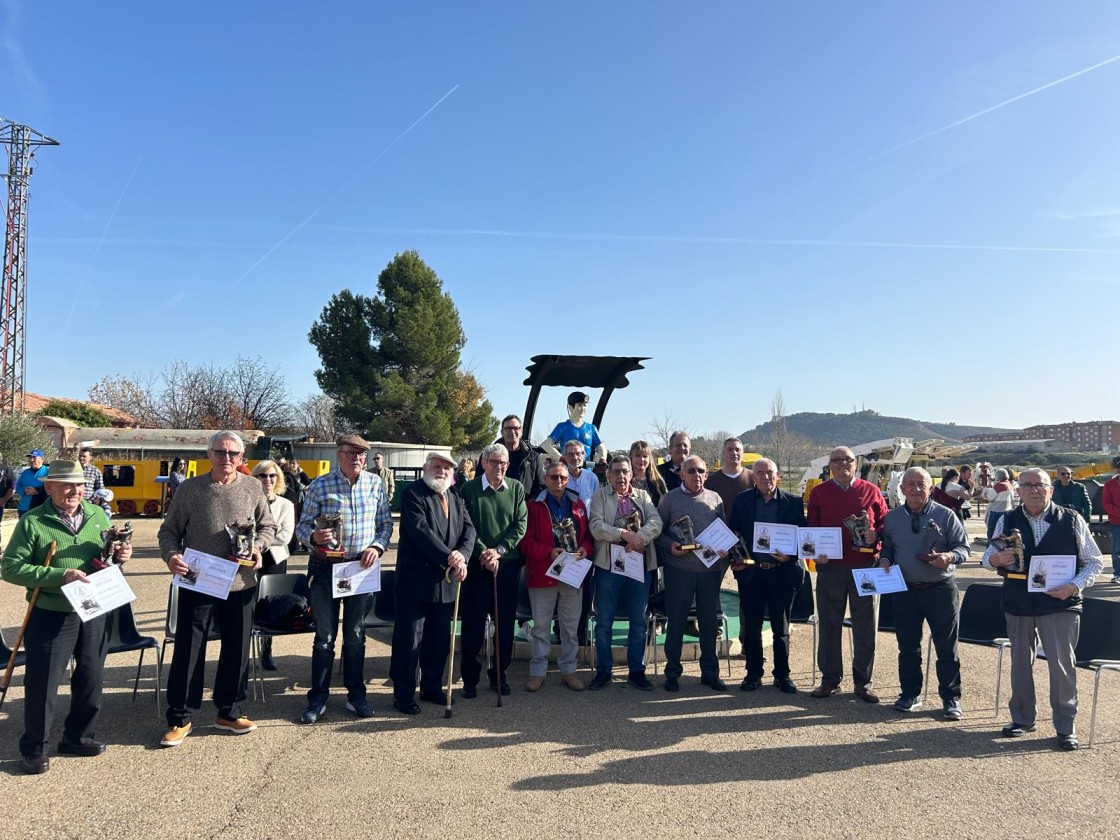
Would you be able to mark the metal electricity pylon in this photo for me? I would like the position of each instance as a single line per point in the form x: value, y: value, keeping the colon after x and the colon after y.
x: 21, y: 141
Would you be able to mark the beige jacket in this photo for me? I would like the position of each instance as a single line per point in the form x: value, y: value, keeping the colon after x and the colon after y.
x: 604, y: 510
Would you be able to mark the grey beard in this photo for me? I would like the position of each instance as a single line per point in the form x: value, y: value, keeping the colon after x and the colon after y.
x: 438, y: 485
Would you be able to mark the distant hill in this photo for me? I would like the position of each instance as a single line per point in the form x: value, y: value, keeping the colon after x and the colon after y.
x: 863, y: 427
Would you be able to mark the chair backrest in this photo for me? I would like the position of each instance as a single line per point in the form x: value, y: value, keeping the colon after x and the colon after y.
x: 886, y: 613
x: 385, y: 601
x: 524, y: 606
x: 6, y: 652
x: 982, y: 617
x: 289, y: 583
x: 173, y: 616
x: 1100, y: 630
x: 803, y: 606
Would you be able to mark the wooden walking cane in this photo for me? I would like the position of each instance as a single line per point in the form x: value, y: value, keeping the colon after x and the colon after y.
x: 23, y: 629
x: 497, y: 644
x: 451, y: 657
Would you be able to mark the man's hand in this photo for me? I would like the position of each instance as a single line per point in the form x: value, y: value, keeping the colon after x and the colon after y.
x: 322, y: 536
x: 177, y: 565
x: 457, y: 565
x: 1002, y: 558
x: 821, y: 559
x: 257, y: 557
x: 30, y: 491
x: 369, y: 557
x: 938, y: 559
x: 122, y: 553
x: 738, y: 565
x: 884, y: 564
x: 782, y: 558
x: 1061, y: 593
x: 676, y: 550
x: 71, y: 575
x: 489, y: 560
x: 556, y: 552
x: 632, y: 541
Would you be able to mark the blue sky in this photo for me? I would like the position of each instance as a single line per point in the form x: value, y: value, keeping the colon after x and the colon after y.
x: 813, y: 197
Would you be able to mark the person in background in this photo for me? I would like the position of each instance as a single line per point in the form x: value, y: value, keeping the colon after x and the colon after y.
x: 730, y: 479
x: 386, y: 473
x: 463, y: 473
x: 175, y: 476
x: 646, y: 475
x: 680, y: 444
x: 29, y: 485
x: 1110, y: 501
x: 275, y: 557
x: 7, y: 483
x: 94, y: 479
x: 1001, y: 499
x: 950, y: 493
x: 1072, y: 494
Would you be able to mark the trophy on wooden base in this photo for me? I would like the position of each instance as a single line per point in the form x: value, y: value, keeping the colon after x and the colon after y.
x: 564, y: 532
x: 685, y: 533
x: 863, y: 535
x: 112, y: 541
x: 241, y: 543
x: 333, y: 523
x: 631, y: 522
x: 930, y: 536
x: 1012, y: 542
x: 738, y: 552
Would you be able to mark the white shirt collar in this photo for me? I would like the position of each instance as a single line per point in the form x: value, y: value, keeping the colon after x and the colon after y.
x: 486, y: 484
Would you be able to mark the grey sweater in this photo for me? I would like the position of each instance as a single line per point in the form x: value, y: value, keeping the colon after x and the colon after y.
x: 204, y: 508
x: 901, y: 544
x: 704, y: 508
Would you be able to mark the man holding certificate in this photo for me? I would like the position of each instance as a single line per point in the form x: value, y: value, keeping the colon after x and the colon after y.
x: 772, y: 580
x: 54, y: 545
x: 858, y: 508
x: 624, y: 523
x: 1053, y: 616
x: 345, y: 519
x: 689, y: 573
x: 436, y: 539
x: 207, y: 509
x: 557, y: 532
x: 926, y: 541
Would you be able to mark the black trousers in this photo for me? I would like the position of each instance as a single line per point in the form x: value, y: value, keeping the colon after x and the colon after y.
x: 476, y: 601
x: 940, y: 608
x: 50, y: 640
x: 768, y: 592
x: 680, y: 588
x: 188, y: 661
x: 421, y: 637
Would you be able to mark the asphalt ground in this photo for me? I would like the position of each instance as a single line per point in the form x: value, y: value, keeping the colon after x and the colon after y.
x: 616, y: 763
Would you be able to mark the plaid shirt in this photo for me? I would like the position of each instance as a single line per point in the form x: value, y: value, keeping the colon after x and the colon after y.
x: 366, y: 519
x: 94, y: 482
x: 1089, y: 560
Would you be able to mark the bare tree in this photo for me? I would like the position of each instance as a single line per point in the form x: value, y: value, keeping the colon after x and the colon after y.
x: 317, y: 417
x: 662, y: 428
x: 710, y: 446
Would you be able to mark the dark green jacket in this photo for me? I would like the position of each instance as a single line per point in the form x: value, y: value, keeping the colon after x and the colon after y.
x: 1075, y: 497
x: 500, y: 517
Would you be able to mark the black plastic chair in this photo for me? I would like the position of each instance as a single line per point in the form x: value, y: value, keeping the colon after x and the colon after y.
x: 172, y: 622
x: 803, y: 611
x: 5, y: 657
x: 656, y: 615
x: 124, y: 637
x: 983, y: 623
x: 291, y: 583
x: 382, y: 609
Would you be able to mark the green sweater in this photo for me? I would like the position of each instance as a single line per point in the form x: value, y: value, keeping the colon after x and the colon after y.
x: 500, y: 517
x: 31, y: 540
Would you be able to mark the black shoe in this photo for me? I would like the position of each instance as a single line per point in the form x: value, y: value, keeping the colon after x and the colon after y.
x: 87, y: 750
x: 908, y: 703
x: 600, y: 681
x: 1067, y: 742
x: 437, y: 697
x: 672, y: 684
x: 267, y: 662
x: 406, y: 707
x: 35, y: 765
x: 313, y: 713
x: 469, y: 692
x: 750, y: 684
x: 1016, y: 730
x: 361, y: 708
x: 640, y: 681
x: 786, y: 685
x: 714, y: 683
x: 505, y: 688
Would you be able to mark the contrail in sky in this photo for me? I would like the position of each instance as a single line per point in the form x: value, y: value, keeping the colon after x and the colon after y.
x: 979, y: 114
x: 97, y: 247
x: 343, y: 188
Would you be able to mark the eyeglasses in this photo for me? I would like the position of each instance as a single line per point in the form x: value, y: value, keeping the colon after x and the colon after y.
x: 1030, y: 485
x: 351, y: 453
x: 1063, y: 475
x: 267, y: 476
x: 551, y: 477
x: 696, y: 471
x: 841, y: 460
x: 501, y: 465
x: 511, y: 428
x: 225, y: 453
x: 620, y: 472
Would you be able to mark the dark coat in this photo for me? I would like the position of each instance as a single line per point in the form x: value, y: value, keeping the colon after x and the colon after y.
x: 791, y: 511
x: 426, y: 538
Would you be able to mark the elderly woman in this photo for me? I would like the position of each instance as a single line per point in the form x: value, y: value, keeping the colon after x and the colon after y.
x: 1001, y: 499
x: 271, y: 477
x: 541, y: 547
x: 615, y: 510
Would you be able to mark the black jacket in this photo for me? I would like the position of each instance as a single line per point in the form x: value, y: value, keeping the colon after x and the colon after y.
x: 426, y: 538
x: 791, y: 511
x: 528, y: 470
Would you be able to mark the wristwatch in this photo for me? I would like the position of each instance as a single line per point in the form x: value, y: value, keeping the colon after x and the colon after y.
x: 501, y: 550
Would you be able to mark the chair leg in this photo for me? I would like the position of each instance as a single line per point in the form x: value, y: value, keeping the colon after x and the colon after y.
x: 159, y: 682
x: 999, y: 677
x: 727, y: 644
x: 136, y: 682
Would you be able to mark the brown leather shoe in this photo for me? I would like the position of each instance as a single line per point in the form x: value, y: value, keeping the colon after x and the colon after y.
x: 825, y: 689
x: 867, y: 694
x: 572, y: 681
x: 534, y: 684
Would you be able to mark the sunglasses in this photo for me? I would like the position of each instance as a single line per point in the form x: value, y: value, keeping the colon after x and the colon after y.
x: 557, y: 477
x: 696, y: 471
x: 841, y: 460
x: 225, y: 453
x: 267, y: 476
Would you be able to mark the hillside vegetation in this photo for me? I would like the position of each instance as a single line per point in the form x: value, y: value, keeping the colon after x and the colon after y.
x: 862, y: 427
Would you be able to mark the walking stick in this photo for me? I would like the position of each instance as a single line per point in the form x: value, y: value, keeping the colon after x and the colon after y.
x: 23, y: 629
x: 497, y: 644
x: 451, y: 658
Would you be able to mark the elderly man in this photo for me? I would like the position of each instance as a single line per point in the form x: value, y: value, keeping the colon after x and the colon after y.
x: 94, y: 480
x: 1072, y: 494
x: 524, y: 460
x: 385, y: 474
x: 1052, y: 617
x: 359, y: 498
x: 1110, y: 501
x: 830, y: 503
x: 29, y: 484
x: 615, y: 509
x: 730, y: 479
x: 687, y: 576
x: 540, y: 547
x: 436, y: 538
x: 204, y: 507
x: 497, y: 509
x: 679, y: 446
x: 54, y: 632
x: 927, y: 542
x: 583, y: 482
x: 770, y: 583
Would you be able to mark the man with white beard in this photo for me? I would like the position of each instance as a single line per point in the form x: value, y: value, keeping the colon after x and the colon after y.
x: 436, y: 538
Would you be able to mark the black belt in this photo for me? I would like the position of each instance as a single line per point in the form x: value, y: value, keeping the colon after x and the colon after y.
x: 768, y: 565
x: 923, y: 585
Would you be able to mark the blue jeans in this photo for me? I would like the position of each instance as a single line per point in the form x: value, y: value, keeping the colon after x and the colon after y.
x: 326, y: 610
x: 611, y: 590
x: 1115, y: 550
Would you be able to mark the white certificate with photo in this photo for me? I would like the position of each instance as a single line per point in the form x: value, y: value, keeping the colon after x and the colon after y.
x: 876, y: 581
x: 351, y: 579
x: 813, y: 542
x: 206, y: 574
x: 632, y: 564
x: 104, y: 591
x: 570, y: 569
x: 1049, y: 571
x: 717, y: 537
x: 771, y: 536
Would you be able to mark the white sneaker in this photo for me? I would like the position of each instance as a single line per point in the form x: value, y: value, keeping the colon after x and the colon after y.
x: 523, y: 632
x: 1116, y: 578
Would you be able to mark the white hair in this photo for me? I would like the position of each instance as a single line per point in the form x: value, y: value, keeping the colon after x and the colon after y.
x: 494, y: 449
x: 225, y: 435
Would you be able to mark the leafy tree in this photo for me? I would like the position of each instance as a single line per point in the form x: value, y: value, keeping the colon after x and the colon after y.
x: 19, y: 434
x: 392, y: 361
x: 84, y: 414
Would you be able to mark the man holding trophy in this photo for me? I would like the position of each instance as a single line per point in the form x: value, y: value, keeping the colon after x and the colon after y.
x: 205, y: 509
x: 557, y: 527
x: 345, y: 518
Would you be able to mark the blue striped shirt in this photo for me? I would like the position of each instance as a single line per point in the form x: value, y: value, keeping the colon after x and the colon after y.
x: 366, y: 519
